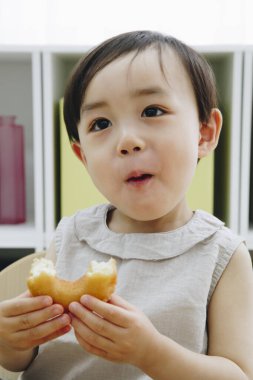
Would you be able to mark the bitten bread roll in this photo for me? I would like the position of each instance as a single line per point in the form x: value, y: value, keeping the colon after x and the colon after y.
x: 99, y: 281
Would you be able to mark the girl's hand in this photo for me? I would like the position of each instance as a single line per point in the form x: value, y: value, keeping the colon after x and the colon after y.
x: 26, y: 322
x: 116, y: 330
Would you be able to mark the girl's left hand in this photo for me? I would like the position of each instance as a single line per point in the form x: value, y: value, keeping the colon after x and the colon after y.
x: 116, y: 330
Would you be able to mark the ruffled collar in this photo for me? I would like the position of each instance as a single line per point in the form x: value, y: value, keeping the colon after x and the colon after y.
x: 91, y: 227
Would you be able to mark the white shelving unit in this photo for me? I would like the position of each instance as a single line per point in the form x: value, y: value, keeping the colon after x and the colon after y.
x: 246, y: 215
x: 20, y: 95
x: 32, y: 82
x: 57, y: 65
x: 227, y: 64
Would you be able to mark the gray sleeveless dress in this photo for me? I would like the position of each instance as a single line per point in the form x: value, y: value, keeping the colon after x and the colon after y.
x: 171, y: 276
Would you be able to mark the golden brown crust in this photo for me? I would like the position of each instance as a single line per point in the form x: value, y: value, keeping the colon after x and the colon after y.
x: 98, y: 284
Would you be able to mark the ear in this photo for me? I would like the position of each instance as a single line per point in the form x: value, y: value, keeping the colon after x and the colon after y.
x: 77, y: 149
x: 209, y: 133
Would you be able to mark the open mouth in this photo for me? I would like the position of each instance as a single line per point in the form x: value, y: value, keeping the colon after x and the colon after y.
x: 140, y: 178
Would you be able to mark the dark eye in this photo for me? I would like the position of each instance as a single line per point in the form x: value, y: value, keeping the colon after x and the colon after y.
x: 152, y: 112
x: 100, y: 124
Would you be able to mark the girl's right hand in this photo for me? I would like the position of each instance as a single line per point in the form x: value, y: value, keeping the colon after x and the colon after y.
x: 27, y: 322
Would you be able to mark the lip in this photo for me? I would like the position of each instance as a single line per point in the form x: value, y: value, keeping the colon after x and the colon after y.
x: 138, y: 177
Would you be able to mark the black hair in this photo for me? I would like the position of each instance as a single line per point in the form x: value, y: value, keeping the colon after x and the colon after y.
x: 198, y: 69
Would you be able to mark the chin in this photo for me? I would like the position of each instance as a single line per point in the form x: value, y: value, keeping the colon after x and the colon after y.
x: 145, y: 214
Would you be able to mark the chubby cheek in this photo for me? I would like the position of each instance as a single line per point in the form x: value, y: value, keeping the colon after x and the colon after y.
x: 182, y: 160
x: 102, y: 176
x: 96, y: 162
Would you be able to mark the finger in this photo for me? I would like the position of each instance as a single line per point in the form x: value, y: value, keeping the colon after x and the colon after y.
x: 29, y: 344
x: 90, y: 348
x: 119, y: 301
x: 43, y: 330
x: 95, y: 323
x: 30, y: 320
x: 23, y: 305
x: 113, y: 313
x: 64, y: 330
x: 91, y: 337
x: 25, y: 294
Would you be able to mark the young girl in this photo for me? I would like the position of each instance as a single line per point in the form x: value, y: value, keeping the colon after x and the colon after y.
x: 140, y: 111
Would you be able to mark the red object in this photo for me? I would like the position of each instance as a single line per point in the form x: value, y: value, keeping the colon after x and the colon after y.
x: 12, y: 172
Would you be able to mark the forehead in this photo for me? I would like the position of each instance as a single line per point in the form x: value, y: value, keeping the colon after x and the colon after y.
x: 143, y: 69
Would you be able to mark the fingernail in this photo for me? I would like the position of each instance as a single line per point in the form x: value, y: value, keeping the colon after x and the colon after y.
x: 73, y: 307
x: 47, y: 301
x: 65, y: 319
x: 58, y: 309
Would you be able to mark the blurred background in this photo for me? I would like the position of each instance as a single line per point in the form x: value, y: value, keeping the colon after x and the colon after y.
x: 75, y: 22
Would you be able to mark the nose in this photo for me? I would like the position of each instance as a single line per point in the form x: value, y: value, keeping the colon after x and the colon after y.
x: 130, y: 143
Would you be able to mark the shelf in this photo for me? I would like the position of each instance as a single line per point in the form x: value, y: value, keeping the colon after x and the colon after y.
x: 246, y: 201
x: 20, y: 95
x: 57, y: 66
x: 228, y: 67
x: 20, y: 236
x: 249, y: 239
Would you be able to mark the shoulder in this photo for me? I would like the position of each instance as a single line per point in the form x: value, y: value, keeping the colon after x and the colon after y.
x: 215, y: 232
x: 81, y: 216
x: 239, y: 267
x: 221, y: 240
x: 70, y: 228
x: 221, y: 244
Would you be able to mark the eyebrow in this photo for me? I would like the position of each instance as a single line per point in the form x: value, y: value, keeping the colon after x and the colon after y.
x: 149, y: 91
x: 156, y: 90
x: 91, y: 106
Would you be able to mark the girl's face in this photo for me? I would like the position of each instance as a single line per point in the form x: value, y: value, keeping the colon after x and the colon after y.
x: 139, y: 133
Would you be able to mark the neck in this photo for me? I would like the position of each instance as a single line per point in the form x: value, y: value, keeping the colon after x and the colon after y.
x: 121, y: 223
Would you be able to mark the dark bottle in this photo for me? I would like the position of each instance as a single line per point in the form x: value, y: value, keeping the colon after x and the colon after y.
x: 12, y: 172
